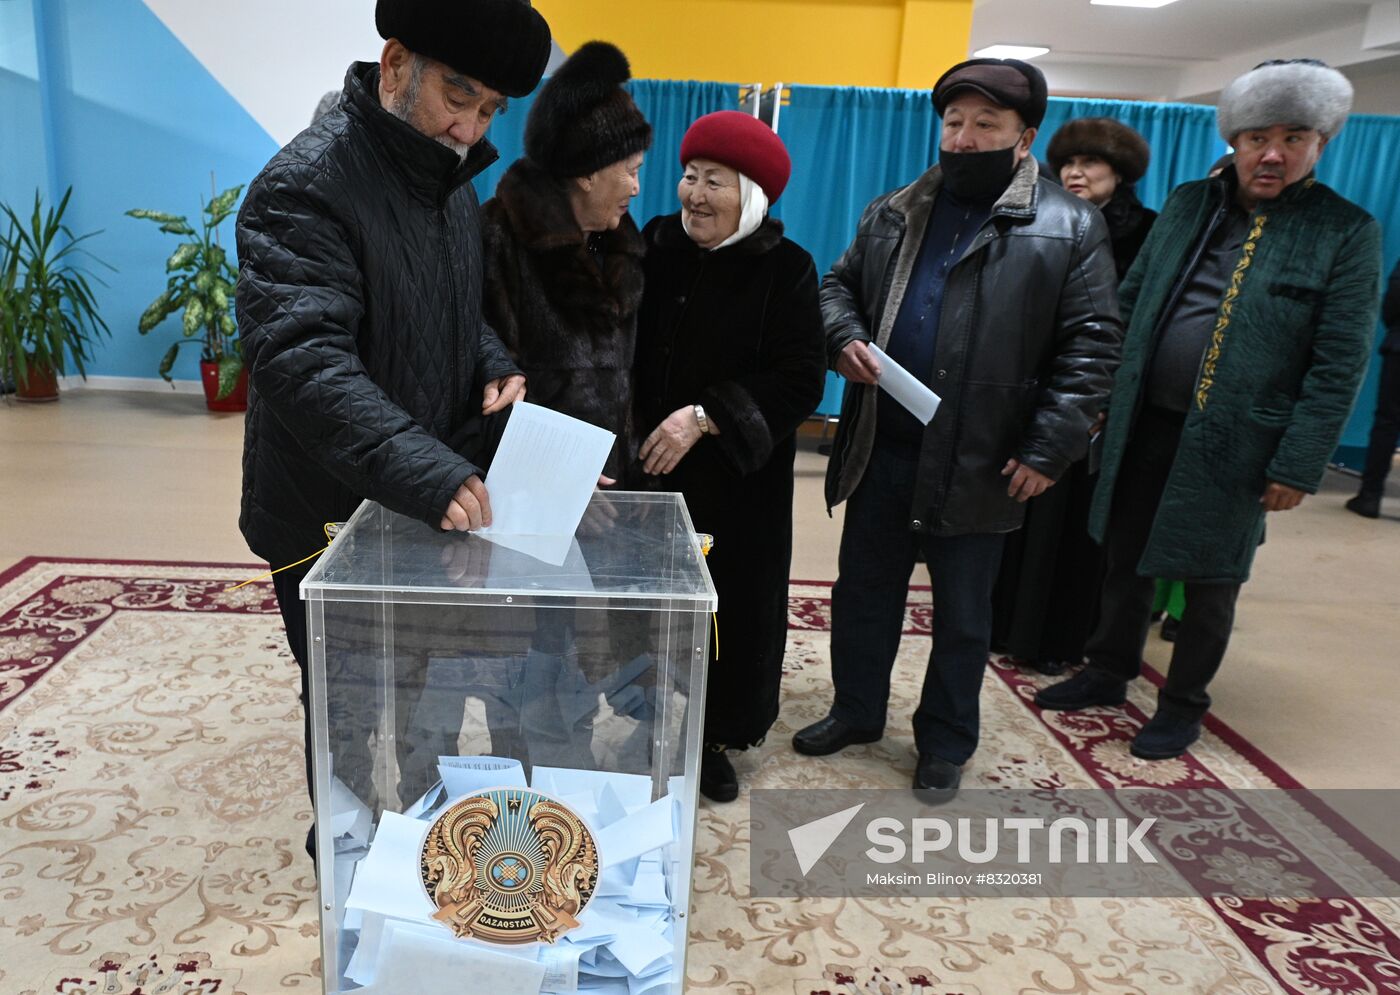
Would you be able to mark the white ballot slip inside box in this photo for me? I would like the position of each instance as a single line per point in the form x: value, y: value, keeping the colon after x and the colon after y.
x: 413, y: 963
x: 541, y: 479
x: 463, y: 775
x: 392, y: 860
x: 904, y: 387
x: 349, y: 816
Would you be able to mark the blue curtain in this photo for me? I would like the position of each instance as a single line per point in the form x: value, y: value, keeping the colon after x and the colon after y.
x: 848, y: 146
x: 670, y: 106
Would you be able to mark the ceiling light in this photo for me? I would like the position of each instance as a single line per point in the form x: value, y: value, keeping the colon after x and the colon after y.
x: 1131, y: 3
x: 1010, y: 52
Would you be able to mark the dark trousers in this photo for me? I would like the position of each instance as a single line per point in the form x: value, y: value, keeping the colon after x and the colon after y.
x: 1385, y: 429
x: 293, y: 609
x: 867, y: 611
x: 1126, y: 603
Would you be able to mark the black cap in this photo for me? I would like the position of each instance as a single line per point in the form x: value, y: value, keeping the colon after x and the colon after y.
x: 1009, y: 83
x: 503, y: 43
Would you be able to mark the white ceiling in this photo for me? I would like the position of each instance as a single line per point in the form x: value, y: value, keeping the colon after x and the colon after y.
x: 1188, y: 49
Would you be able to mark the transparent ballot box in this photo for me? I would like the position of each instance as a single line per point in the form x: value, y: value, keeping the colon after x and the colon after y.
x: 505, y: 737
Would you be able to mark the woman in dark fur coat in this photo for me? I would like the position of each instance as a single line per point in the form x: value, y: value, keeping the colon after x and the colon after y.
x: 1047, y: 595
x: 730, y: 361
x: 563, y: 256
x: 563, y: 284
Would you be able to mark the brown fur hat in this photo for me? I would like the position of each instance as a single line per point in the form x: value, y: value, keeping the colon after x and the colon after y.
x: 1112, y: 141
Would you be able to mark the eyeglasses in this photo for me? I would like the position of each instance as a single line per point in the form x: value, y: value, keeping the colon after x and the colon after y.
x: 1293, y: 62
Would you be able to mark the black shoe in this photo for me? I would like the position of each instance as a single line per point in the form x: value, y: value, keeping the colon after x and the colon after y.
x: 718, y: 782
x: 1085, y: 689
x: 1049, y: 667
x: 1170, y: 627
x: 831, y: 735
x: 1366, y: 505
x: 936, y: 780
x: 1165, y: 736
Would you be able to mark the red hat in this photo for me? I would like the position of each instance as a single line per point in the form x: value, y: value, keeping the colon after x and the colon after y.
x: 743, y: 142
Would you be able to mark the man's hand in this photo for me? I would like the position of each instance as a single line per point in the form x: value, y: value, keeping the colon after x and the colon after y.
x: 1025, y: 482
x: 670, y: 441
x: 1099, y: 423
x: 469, y: 509
x: 1281, y: 497
x: 500, y: 394
x: 857, y: 364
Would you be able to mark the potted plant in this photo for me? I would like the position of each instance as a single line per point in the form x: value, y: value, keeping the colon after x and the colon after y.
x: 200, y: 284
x: 48, y: 314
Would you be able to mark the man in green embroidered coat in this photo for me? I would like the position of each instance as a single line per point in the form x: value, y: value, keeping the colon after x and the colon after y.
x: 1250, y: 312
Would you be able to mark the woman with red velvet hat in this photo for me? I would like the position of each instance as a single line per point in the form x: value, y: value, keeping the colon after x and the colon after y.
x: 731, y: 358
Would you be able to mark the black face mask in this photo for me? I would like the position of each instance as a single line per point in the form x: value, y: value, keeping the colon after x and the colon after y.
x: 978, y: 176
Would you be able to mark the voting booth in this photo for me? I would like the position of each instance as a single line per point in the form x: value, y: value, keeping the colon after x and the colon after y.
x: 506, y: 733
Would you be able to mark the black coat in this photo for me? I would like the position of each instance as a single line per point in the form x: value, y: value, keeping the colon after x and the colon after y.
x: 1128, y: 224
x: 1027, y: 344
x: 1046, y: 601
x: 737, y: 330
x: 1390, y: 314
x: 564, y: 304
x: 359, y: 311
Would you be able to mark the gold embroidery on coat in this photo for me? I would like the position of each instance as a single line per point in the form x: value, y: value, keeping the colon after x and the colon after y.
x: 1227, y: 306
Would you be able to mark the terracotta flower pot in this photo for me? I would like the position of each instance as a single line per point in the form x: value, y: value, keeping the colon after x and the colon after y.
x: 41, y: 385
x: 237, y: 399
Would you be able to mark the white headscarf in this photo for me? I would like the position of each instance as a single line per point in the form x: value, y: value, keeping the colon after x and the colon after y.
x: 751, y: 215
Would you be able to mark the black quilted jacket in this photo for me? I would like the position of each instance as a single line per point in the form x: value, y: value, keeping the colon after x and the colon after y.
x: 359, y: 309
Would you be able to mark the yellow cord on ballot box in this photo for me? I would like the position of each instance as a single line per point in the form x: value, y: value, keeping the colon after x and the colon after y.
x: 331, y: 530
x: 707, y: 543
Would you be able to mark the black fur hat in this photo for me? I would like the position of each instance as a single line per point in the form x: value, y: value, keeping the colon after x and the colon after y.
x: 583, y: 119
x: 1112, y: 141
x: 503, y: 43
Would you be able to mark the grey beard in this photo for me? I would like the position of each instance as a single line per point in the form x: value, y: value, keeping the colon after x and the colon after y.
x: 404, y: 106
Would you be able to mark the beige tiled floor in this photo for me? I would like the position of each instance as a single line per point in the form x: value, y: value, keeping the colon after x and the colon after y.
x: 1310, y: 679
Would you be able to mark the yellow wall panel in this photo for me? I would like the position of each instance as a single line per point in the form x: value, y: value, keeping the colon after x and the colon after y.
x: 821, y: 42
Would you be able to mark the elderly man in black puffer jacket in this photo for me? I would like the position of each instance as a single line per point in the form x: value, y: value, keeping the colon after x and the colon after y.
x: 360, y: 288
x: 996, y: 288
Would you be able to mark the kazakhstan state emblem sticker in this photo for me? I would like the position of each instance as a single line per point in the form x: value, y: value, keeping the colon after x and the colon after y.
x: 508, y: 865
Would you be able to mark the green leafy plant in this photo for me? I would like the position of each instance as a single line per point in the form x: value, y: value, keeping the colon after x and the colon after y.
x: 201, y: 285
x: 48, y: 314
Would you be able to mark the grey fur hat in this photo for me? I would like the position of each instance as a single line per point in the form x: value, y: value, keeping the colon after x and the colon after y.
x: 1298, y: 92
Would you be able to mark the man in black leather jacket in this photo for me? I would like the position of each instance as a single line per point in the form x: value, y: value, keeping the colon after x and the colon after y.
x: 996, y: 288
x: 359, y: 291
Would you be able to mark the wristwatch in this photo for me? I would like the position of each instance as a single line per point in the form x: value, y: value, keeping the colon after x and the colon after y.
x: 702, y: 420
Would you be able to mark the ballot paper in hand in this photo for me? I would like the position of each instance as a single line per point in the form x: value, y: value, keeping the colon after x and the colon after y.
x: 903, y: 386
x: 542, y: 477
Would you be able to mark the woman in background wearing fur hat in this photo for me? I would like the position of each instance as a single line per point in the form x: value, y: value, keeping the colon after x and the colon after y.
x: 1046, y: 600
x: 563, y: 256
x: 731, y: 359
x: 1100, y: 160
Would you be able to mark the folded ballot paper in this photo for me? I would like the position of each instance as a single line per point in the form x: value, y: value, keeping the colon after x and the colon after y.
x: 624, y: 939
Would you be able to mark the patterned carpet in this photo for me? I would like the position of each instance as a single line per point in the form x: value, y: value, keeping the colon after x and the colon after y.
x: 152, y: 811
